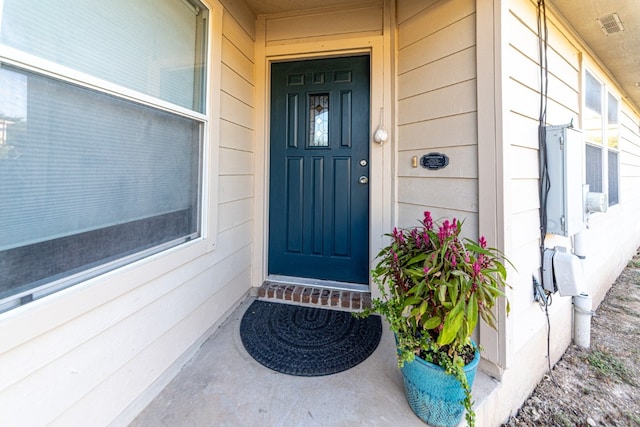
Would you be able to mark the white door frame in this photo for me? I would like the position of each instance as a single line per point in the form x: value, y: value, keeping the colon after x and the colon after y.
x: 382, y: 183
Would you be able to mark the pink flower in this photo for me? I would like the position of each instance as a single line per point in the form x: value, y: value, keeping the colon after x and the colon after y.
x: 398, y: 235
x: 428, y: 221
x: 483, y: 242
x: 476, y: 268
x: 444, y: 231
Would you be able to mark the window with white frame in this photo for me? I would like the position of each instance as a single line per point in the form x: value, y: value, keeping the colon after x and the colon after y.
x: 601, y: 127
x: 102, y: 120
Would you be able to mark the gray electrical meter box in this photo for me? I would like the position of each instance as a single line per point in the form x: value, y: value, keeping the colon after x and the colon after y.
x: 565, y: 165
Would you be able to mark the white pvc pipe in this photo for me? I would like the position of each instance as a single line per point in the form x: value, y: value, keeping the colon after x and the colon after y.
x: 582, y: 303
x: 579, y: 244
x: 582, y: 312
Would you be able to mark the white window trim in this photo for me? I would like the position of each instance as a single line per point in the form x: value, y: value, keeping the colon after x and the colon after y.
x: 604, y: 118
x: 47, y: 68
x: 130, y: 276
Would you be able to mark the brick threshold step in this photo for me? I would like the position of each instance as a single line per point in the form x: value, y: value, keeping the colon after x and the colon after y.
x: 349, y: 300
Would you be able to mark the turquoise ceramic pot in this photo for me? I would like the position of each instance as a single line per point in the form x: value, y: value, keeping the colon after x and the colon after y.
x: 435, y: 396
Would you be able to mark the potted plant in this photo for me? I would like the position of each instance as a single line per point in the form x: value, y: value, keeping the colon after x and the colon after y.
x: 434, y: 287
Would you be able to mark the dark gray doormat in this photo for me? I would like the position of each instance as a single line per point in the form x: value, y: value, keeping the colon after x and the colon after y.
x: 307, y: 341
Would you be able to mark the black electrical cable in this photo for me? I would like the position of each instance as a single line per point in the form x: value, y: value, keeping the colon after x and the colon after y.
x: 545, y: 303
x: 545, y: 185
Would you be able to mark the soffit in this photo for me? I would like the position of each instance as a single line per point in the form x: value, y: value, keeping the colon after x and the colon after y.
x: 618, y: 51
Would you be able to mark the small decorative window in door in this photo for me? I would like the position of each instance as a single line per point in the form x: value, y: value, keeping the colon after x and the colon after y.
x: 319, y: 120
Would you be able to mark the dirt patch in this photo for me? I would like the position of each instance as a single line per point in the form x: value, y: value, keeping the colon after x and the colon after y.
x: 599, y: 386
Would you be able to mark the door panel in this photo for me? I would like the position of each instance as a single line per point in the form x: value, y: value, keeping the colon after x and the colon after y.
x: 318, y: 209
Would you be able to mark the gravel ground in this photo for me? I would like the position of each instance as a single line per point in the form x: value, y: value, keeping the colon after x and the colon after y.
x: 599, y: 386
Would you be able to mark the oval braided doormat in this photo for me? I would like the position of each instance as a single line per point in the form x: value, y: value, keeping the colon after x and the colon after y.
x: 307, y: 341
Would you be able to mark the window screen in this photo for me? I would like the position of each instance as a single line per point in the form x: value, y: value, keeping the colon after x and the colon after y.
x: 593, y: 96
x: 593, y: 157
x: 592, y: 114
x: 613, y: 124
x: 613, y: 178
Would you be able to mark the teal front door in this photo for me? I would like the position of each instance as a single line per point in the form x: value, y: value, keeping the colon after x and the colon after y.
x: 319, y: 169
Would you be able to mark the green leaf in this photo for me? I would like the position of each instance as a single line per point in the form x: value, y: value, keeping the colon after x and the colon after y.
x: 452, y: 324
x: 453, y: 289
x: 501, y: 269
x: 412, y: 301
x: 432, y: 323
x: 442, y: 294
x: 414, y: 272
x: 420, y: 257
x: 423, y: 308
x: 472, y: 311
x: 415, y: 312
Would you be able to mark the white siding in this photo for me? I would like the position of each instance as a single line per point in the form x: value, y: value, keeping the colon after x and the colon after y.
x: 97, y: 352
x: 351, y: 20
x: 614, y: 236
x: 436, y: 110
x: 522, y: 101
x: 607, y: 235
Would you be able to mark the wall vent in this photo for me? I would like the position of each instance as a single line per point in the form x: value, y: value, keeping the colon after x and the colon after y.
x: 610, y: 24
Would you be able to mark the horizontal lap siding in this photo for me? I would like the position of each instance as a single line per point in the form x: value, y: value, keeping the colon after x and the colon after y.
x: 460, y: 129
x: 629, y: 159
x: 237, y: 128
x: 437, y: 110
x: 522, y: 104
x: 630, y: 148
x: 90, y: 353
x: 353, y: 20
x: 616, y: 232
x: 236, y: 156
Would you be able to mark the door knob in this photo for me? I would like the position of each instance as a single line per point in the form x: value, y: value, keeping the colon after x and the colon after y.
x: 363, y: 179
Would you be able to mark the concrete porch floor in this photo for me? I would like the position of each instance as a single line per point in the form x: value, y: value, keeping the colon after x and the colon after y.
x: 222, y: 385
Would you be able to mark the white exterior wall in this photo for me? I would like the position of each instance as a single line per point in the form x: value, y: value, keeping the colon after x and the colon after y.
x: 612, y: 238
x: 526, y: 338
x: 100, y: 350
x: 436, y: 111
x: 522, y: 101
